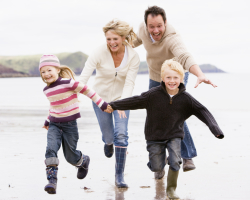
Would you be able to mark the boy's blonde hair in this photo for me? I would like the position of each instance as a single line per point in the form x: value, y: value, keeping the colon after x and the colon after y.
x: 173, y: 65
x: 122, y: 29
x: 65, y: 72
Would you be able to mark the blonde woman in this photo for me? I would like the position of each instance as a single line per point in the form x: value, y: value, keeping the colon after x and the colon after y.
x: 116, y: 64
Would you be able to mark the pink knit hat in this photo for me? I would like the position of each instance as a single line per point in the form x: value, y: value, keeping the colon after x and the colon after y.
x: 49, y: 60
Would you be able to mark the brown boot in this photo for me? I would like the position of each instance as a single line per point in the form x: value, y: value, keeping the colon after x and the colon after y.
x: 172, y: 184
x: 188, y: 165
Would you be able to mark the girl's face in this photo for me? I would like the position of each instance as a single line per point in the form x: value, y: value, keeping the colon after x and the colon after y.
x: 49, y: 74
x: 114, y: 41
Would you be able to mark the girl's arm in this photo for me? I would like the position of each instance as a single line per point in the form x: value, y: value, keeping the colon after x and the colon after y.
x: 84, y: 89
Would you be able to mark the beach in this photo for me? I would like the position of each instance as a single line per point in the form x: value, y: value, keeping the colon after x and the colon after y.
x: 221, y: 165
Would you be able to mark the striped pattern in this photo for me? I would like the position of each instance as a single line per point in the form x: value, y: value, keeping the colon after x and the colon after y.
x: 49, y: 60
x: 64, y: 105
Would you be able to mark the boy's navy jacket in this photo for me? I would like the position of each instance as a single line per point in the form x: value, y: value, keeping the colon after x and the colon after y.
x: 166, y: 115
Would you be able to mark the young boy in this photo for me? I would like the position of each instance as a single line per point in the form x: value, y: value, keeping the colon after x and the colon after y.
x: 168, y: 106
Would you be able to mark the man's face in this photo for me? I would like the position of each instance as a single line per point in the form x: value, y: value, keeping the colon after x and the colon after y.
x: 156, y: 26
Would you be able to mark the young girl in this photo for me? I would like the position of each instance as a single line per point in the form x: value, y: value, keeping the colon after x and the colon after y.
x: 61, y: 91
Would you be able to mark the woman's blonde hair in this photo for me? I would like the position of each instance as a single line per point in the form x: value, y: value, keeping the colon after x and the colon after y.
x: 121, y: 28
x: 65, y: 72
x: 173, y: 65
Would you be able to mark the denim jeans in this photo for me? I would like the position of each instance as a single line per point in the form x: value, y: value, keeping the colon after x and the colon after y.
x: 65, y: 133
x: 188, y: 149
x: 114, y: 131
x: 157, y: 154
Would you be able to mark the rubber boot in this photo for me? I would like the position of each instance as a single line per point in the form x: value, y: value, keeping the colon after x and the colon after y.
x: 172, y: 184
x: 108, y: 150
x: 51, y: 172
x: 83, y: 168
x: 120, y: 156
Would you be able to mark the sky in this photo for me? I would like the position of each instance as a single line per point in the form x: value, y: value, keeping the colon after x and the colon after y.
x: 215, y: 31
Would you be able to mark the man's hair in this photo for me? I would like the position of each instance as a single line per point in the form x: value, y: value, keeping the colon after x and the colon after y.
x: 154, y: 11
x: 173, y: 65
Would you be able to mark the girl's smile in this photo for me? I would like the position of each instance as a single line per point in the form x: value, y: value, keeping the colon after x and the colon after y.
x: 49, y: 74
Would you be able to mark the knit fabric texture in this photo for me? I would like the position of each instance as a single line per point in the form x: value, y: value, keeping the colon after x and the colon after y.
x: 170, y: 46
x: 64, y: 104
x: 49, y: 60
x: 165, y: 114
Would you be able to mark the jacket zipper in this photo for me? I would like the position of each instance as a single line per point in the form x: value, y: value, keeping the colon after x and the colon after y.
x: 171, y: 100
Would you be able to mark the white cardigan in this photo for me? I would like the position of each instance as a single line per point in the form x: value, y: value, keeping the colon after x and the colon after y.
x: 109, y: 84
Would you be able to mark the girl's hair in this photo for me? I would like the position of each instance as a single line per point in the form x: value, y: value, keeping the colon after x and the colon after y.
x: 173, y: 65
x: 121, y: 28
x: 65, y: 72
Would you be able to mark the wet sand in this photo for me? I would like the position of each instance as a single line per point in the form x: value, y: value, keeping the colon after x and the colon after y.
x: 221, y: 173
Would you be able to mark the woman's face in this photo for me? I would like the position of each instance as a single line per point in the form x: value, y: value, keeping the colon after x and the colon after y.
x: 114, y: 41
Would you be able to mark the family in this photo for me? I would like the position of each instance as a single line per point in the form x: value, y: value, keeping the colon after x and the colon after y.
x: 167, y: 103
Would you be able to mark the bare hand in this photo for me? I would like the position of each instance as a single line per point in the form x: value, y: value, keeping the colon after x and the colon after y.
x: 46, y: 127
x: 204, y: 79
x: 109, y: 109
x: 122, y: 113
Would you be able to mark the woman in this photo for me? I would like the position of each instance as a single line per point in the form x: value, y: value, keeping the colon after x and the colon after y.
x: 116, y: 64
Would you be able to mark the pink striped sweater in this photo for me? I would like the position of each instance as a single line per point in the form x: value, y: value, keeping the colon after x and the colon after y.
x: 64, y: 105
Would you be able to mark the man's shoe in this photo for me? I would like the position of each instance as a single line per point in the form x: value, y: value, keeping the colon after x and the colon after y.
x: 188, y: 165
x: 108, y: 150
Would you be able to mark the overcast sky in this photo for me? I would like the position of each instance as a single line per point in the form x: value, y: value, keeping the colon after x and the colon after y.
x: 214, y: 31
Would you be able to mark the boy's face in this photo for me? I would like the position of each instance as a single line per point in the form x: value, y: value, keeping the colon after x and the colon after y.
x: 172, y: 80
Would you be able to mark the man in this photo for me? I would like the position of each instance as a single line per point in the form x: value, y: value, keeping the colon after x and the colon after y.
x: 162, y: 42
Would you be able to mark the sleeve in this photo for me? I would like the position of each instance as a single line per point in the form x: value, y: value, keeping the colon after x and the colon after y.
x: 131, y: 103
x: 88, y: 69
x: 179, y: 51
x: 130, y: 77
x: 202, y: 113
x: 47, y: 121
x: 84, y: 89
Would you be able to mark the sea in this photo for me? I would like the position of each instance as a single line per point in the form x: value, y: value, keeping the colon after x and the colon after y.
x: 232, y: 92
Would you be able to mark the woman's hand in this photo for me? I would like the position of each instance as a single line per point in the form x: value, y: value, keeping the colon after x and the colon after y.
x: 46, y: 127
x: 121, y: 113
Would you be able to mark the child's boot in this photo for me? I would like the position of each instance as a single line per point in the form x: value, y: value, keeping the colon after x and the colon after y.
x: 172, y: 184
x: 120, y: 156
x: 51, y: 172
x: 83, y: 168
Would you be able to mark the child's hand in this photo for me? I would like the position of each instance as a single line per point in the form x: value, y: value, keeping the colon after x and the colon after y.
x: 121, y: 113
x: 220, y: 136
x: 46, y: 127
x: 109, y: 109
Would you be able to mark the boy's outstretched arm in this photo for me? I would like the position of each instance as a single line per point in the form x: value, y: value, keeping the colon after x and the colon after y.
x: 205, y: 116
x: 131, y: 103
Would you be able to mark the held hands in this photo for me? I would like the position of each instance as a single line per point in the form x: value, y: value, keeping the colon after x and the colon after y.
x: 46, y: 127
x: 204, y: 79
x: 109, y: 109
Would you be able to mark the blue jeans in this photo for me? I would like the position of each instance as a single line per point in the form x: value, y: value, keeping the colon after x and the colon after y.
x: 188, y: 149
x: 157, y: 154
x: 113, y: 131
x: 65, y: 133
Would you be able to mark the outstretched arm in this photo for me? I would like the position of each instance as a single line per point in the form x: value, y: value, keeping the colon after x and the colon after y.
x: 131, y: 103
x: 205, y: 116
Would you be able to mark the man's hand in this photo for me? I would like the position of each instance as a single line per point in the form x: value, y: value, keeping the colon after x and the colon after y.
x: 109, y: 109
x: 204, y: 79
x: 201, y: 78
x: 46, y: 127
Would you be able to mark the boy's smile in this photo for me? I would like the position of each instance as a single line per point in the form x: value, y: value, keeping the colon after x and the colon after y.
x: 172, y: 80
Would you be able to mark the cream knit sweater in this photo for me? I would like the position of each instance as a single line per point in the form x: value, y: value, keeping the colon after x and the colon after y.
x: 109, y: 84
x: 168, y: 47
